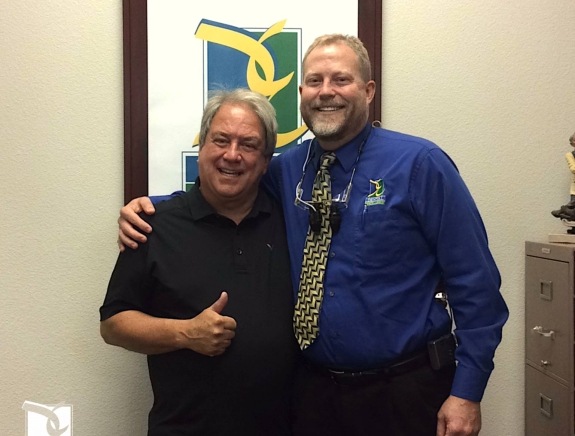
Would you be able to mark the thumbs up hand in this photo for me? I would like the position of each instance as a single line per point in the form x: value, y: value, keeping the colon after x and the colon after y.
x: 210, y: 333
x: 220, y: 303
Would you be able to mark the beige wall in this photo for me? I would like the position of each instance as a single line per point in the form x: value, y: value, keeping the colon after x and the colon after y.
x: 492, y: 82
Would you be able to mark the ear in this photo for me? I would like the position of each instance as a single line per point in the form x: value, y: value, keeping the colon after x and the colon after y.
x: 200, y: 152
x: 370, y: 91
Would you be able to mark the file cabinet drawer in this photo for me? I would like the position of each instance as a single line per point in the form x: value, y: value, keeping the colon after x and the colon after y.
x: 548, y: 314
x: 547, y: 410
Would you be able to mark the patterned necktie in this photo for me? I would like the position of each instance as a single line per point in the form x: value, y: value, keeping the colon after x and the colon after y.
x: 306, y: 314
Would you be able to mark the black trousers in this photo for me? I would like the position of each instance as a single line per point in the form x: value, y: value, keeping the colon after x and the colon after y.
x: 404, y: 405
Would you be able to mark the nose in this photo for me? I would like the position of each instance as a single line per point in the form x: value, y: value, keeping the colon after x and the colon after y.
x: 233, y: 152
x: 326, y: 88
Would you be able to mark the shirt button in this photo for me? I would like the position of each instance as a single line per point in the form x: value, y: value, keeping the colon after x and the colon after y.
x: 331, y: 293
x: 332, y: 254
x: 240, y: 252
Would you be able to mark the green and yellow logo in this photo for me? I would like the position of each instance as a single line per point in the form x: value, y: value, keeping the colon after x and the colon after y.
x: 266, y: 61
x: 263, y: 61
x: 377, y: 193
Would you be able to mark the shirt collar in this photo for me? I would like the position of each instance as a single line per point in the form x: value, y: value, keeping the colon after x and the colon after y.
x: 347, y: 154
x: 200, y: 208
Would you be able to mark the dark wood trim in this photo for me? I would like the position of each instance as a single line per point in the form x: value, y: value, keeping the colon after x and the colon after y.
x: 136, y: 84
x: 369, y: 30
x: 135, y: 99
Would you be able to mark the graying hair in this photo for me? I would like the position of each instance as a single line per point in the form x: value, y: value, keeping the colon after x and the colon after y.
x: 253, y: 100
x: 352, y: 42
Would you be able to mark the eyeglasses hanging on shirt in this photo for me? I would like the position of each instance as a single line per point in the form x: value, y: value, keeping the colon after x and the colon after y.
x: 338, y: 202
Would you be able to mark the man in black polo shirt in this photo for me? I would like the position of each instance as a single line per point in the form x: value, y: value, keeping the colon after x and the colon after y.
x: 209, y: 298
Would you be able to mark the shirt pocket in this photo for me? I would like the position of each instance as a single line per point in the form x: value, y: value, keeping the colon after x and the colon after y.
x: 384, y: 238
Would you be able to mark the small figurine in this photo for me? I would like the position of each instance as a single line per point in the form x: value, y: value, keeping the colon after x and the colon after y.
x: 567, y: 211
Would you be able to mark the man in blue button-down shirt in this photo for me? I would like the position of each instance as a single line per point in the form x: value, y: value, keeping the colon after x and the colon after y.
x: 405, y: 223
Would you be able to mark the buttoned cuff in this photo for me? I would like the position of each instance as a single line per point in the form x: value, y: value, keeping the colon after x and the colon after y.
x: 469, y: 383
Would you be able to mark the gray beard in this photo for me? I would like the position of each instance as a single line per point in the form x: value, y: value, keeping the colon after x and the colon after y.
x: 324, y: 129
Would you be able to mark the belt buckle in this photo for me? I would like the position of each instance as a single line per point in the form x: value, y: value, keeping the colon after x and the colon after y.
x: 348, y: 375
x: 339, y: 375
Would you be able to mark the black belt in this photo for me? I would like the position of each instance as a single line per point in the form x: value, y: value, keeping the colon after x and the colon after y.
x: 402, y: 367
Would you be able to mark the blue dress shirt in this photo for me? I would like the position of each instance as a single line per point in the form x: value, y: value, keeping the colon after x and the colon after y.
x: 409, y: 222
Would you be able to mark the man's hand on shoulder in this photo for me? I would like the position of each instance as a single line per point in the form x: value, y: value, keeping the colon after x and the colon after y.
x: 131, y: 225
x: 459, y: 417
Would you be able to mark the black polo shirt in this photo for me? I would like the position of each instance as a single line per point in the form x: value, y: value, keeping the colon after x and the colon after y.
x: 192, y: 255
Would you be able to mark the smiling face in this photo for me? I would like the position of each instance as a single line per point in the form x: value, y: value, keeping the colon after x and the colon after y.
x: 231, y: 161
x: 334, y: 98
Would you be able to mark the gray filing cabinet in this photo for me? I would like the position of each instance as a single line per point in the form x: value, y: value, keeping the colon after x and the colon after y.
x: 549, y: 324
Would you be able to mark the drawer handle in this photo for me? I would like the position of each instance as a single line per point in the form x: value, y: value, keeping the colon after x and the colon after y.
x: 545, y: 333
x: 545, y: 363
x: 546, y: 290
x: 545, y: 405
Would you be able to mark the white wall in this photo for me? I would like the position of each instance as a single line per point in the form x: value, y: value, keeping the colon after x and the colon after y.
x: 492, y: 82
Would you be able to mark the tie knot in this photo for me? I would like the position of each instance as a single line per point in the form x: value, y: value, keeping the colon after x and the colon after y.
x: 327, y: 159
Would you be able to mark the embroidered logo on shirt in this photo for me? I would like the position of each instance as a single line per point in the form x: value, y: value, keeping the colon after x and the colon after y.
x: 376, y: 195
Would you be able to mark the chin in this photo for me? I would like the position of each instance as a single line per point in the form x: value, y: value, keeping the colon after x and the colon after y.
x: 229, y: 192
x: 325, y: 129
x: 329, y: 134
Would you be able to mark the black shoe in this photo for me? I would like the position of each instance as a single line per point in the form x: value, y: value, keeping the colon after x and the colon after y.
x: 566, y: 212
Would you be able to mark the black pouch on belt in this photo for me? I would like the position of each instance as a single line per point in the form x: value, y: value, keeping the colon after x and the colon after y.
x: 442, y: 351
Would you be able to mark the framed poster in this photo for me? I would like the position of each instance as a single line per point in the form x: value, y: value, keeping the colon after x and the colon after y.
x: 176, y: 52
